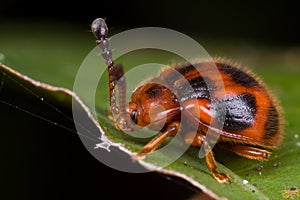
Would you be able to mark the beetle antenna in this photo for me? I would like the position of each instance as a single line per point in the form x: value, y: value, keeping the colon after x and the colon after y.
x: 115, y: 73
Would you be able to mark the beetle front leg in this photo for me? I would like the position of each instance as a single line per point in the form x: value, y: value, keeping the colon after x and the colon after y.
x: 199, y: 140
x: 155, y: 142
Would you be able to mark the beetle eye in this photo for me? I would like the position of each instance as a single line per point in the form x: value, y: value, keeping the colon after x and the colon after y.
x: 133, y: 116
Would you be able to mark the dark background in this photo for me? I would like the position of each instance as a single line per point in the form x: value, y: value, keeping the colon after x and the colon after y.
x: 275, y: 22
x: 63, y: 169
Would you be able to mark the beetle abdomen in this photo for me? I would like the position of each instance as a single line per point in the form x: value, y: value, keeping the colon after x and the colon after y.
x: 239, y: 100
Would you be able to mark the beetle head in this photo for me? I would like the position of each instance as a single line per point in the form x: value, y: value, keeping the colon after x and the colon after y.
x: 151, y: 105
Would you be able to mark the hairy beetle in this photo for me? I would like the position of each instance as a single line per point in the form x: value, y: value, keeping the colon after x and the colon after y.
x: 251, y: 118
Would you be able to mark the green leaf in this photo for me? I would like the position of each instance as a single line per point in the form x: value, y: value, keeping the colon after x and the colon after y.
x: 272, y: 179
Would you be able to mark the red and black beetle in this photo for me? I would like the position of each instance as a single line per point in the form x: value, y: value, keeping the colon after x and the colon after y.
x: 251, y: 118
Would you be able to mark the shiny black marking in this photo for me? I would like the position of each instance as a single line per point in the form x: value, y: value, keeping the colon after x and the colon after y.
x: 238, y: 75
x: 239, y: 111
x: 195, y: 88
x: 153, y: 92
x: 178, y: 73
x: 185, y: 68
x: 272, y: 123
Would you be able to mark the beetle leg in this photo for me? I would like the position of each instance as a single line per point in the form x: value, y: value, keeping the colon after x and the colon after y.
x: 248, y: 152
x: 212, y: 165
x: 199, y: 140
x: 155, y: 142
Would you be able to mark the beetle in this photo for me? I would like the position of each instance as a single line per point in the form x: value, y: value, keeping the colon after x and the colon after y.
x: 250, y: 117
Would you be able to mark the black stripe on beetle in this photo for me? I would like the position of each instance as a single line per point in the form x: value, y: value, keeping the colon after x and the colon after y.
x: 238, y: 76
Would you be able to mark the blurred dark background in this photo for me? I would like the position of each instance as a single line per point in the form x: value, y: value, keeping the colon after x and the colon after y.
x: 268, y: 21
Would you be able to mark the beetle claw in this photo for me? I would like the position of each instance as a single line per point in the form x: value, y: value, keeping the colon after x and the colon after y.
x: 221, y: 178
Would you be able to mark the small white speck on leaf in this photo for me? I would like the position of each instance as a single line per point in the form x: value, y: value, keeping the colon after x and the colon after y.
x: 2, y: 56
